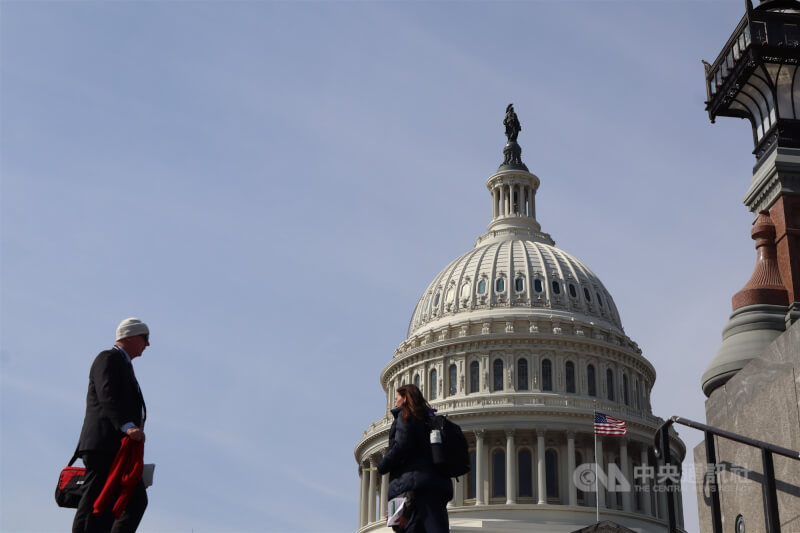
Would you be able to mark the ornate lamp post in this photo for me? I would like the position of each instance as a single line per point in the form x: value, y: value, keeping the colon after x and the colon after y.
x: 757, y: 76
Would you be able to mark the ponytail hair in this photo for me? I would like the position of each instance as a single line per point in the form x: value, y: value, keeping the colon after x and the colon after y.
x: 415, y: 406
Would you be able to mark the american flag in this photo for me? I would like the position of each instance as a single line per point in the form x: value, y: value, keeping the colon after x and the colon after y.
x: 608, y: 425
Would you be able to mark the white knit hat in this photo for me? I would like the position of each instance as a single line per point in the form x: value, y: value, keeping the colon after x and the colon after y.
x: 131, y: 327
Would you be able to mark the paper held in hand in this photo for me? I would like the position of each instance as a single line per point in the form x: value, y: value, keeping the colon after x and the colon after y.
x: 395, y: 510
x: 147, y: 474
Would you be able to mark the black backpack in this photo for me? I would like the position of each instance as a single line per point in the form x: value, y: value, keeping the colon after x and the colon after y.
x: 451, y: 455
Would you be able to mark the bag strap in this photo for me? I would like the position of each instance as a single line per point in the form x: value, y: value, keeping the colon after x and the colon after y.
x: 74, y: 455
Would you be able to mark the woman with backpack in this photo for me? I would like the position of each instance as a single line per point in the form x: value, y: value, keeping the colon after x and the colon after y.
x: 410, y: 464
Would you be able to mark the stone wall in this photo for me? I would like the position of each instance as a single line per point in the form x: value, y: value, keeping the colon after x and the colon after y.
x: 762, y: 401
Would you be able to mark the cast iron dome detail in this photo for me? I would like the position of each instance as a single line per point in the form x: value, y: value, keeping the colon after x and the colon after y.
x: 519, y: 343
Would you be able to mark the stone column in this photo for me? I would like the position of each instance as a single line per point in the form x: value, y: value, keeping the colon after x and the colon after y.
x: 373, y: 481
x: 511, y: 468
x: 540, y: 466
x: 531, y: 204
x: 601, y: 492
x: 362, y: 504
x: 384, y: 496
x: 573, y: 490
x: 480, y: 467
x: 507, y: 193
x: 626, y: 471
x: 645, y: 494
x: 494, y: 203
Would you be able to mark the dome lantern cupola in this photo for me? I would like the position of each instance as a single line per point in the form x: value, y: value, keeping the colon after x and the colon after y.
x: 513, y: 189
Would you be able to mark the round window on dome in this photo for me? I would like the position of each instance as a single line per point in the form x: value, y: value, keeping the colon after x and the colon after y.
x: 556, y: 287
x: 572, y: 291
x: 451, y: 293
x: 465, y: 288
x: 500, y: 285
x: 519, y: 284
x: 482, y: 286
x: 537, y: 285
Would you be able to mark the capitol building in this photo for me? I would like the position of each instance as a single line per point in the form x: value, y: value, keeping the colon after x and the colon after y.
x: 519, y: 343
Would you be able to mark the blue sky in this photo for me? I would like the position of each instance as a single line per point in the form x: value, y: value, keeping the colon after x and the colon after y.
x: 271, y: 186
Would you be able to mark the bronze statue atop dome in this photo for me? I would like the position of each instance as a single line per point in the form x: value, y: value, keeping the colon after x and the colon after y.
x: 512, y: 153
x: 511, y: 122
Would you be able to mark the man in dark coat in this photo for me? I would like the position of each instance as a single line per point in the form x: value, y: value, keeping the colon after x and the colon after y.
x: 114, y: 408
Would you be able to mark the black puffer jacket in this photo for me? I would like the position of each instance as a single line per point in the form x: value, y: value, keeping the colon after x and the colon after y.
x: 409, y: 460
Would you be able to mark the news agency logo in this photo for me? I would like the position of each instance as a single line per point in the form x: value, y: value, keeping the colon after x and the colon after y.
x: 646, y: 478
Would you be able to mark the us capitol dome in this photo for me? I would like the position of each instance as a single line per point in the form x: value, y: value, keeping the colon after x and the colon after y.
x: 519, y: 342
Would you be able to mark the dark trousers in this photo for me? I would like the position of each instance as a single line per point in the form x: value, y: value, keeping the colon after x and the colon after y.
x: 429, y: 515
x: 97, y: 468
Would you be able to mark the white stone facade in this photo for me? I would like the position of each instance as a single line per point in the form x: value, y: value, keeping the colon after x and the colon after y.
x: 519, y: 343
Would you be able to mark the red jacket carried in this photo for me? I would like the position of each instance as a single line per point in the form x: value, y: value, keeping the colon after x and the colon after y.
x: 125, y: 473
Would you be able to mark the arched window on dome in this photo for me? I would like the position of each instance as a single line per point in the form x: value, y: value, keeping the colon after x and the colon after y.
x: 500, y: 285
x: 537, y: 285
x: 465, y: 288
x: 572, y: 291
x: 525, y: 473
x: 451, y: 294
x: 551, y: 475
x: 432, y: 385
x: 452, y: 378
x: 497, y: 378
x: 547, y: 375
x: 625, y: 397
x: 599, y: 300
x: 556, y: 287
x: 436, y: 299
x: 592, y: 380
x: 587, y: 294
x: 570, y: 372
x: 519, y: 284
x: 498, y: 473
x: 416, y: 381
x: 474, y: 376
x: 482, y: 286
x: 427, y: 304
x: 522, y: 374
x: 610, y: 384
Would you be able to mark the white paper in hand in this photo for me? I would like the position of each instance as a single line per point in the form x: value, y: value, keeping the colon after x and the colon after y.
x: 395, y: 508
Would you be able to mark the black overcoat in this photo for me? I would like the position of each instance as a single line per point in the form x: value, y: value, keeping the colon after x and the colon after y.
x: 113, y: 399
x: 409, y: 461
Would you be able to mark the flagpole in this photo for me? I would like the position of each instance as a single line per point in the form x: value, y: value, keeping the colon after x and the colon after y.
x: 596, y: 475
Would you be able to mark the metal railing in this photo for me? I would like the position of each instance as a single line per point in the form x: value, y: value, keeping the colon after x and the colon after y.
x: 769, y: 488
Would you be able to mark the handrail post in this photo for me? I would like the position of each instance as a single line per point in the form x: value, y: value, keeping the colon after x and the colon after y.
x: 770, y: 493
x: 713, y: 486
x: 665, y: 449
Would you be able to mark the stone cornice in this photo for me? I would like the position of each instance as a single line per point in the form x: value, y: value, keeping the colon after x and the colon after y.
x: 778, y: 174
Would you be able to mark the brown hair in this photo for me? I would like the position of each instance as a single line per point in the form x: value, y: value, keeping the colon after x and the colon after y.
x: 415, y: 405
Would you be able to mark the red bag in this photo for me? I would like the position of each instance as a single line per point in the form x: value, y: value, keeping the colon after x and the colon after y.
x: 70, y: 485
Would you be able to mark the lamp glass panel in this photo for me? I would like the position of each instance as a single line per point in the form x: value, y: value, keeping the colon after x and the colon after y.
x: 784, y: 90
